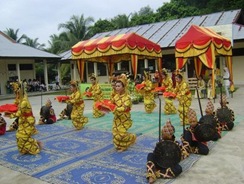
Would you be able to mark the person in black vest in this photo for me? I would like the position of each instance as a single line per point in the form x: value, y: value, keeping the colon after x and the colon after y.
x: 211, y: 119
x: 47, y: 114
x: 224, y: 115
x: 163, y: 162
x: 198, y: 134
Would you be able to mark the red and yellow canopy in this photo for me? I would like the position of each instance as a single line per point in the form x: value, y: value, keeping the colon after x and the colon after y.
x: 203, y: 45
x: 116, y: 48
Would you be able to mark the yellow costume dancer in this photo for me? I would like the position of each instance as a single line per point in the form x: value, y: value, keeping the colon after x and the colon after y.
x: 26, y: 144
x: 97, y: 95
x: 167, y: 82
x: 122, y: 117
x: 183, y: 94
x: 149, y: 103
x: 78, y: 106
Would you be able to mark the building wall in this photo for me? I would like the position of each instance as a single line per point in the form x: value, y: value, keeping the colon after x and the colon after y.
x: 238, y: 70
x: 5, y: 74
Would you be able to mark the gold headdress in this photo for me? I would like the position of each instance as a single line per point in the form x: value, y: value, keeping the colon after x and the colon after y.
x: 48, y: 102
x: 147, y: 75
x: 164, y: 71
x: 168, y: 129
x: 93, y: 76
x: 74, y: 83
x: 123, y: 79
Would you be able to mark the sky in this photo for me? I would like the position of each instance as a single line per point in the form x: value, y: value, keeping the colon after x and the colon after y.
x: 40, y: 18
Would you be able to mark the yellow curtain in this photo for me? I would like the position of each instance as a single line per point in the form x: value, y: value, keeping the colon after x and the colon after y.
x: 81, y: 67
x: 134, y: 64
x: 198, y: 66
x: 228, y: 62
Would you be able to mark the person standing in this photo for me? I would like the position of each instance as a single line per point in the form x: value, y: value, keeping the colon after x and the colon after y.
x: 122, y: 117
x: 167, y: 83
x: 57, y: 82
x: 78, y: 106
x: 226, y: 78
x: 183, y: 94
x: 97, y: 94
x: 148, y: 95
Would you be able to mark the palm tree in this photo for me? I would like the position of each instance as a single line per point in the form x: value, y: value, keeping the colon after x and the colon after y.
x: 121, y: 21
x: 14, y: 34
x: 33, y: 43
x: 77, y: 28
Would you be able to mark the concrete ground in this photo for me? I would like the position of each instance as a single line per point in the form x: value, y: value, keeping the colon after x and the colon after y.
x: 224, y: 164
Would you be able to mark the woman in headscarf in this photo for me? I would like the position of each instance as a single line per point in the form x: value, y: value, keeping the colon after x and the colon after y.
x: 78, y: 105
x: 97, y: 94
x: 26, y: 126
x: 122, y: 116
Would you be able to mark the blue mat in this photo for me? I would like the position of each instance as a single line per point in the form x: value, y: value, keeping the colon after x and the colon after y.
x: 88, y: 156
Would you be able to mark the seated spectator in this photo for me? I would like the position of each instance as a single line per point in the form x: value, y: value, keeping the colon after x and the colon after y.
x: 47, y: 114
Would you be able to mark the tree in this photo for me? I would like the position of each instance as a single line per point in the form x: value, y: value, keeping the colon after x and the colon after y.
x: 101, y: 26
x: 77, y: 27
x: 14, y: 34
x: 121, y: 21
x: 144, y: 16
x: 33, y: 43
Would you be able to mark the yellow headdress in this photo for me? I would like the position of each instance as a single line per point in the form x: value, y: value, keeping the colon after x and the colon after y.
x: 123, y: 79
x: 92, y: 75
x: 147, y: 75
x: 164, y: 71
x: 74, y: 83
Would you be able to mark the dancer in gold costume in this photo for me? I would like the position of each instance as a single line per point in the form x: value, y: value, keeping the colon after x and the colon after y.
x: 122, y: 117
x: 148, y: 95
x: 78, y: 105
x: 167, y: 82
x: 26, y: 144
x: 97, y: 95
x: 183, y: 94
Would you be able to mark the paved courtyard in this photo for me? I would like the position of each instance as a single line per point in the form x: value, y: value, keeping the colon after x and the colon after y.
x: 224, y: 164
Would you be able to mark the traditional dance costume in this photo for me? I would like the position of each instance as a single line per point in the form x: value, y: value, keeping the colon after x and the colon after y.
x: 47, y: 114
x: 77, y: 117
x: 224, y: 115
x: 122, y: 120
x: 167, y: 82
x: 158, y: 165
x: 148, y: 95
x: 97, y: 95
x: 183, y: 94
x: 197, y: 147
x: 26, y: 144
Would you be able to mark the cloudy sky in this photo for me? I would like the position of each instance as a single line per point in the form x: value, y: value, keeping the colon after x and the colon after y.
x: 40, y: 18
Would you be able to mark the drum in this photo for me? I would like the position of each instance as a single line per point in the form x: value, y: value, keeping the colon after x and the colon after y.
x: 224, y: 115
x: 205, y: 132
x: 167, y: 154
x: 209, y: 119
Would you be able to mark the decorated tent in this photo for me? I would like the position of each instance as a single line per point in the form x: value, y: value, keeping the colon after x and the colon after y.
x: 203, y: 45
x: 114, y: 49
